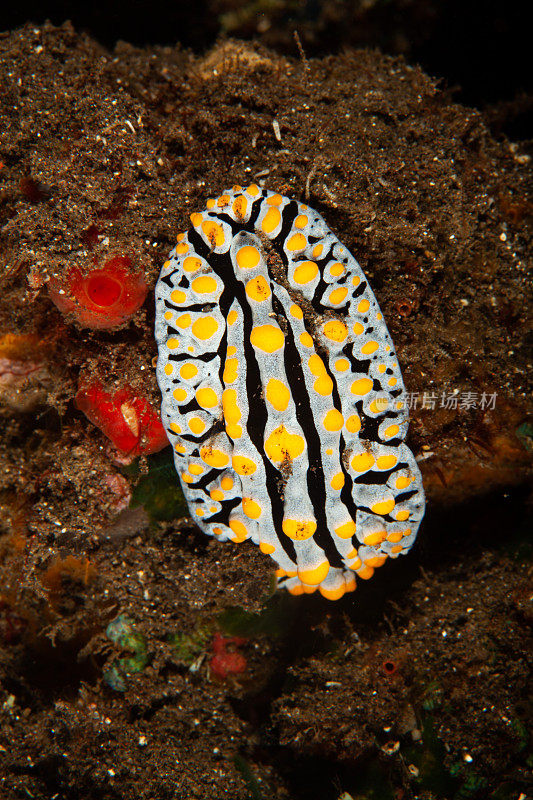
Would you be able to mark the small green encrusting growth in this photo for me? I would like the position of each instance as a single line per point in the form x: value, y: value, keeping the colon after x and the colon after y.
x: 282, y: 393
x: 122, y: 633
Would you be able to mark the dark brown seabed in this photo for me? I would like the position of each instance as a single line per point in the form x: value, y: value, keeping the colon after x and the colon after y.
x: 417, y: 685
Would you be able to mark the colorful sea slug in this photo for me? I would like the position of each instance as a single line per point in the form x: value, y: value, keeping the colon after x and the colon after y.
x: 282, y: 394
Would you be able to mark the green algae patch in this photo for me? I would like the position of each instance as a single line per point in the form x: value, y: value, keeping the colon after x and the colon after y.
x: 122, y: 633
x: 158, y: 491
x: 187, y: 647
x: 272, y: 621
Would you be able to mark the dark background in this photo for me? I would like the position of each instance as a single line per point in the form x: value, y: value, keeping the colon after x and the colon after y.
x: 481, y: 50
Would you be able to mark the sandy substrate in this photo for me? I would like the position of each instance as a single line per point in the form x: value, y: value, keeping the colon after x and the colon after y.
x: 416, y: 686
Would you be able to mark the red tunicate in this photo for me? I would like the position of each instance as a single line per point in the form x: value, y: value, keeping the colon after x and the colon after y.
x: 103, y: 290
x: 226, y: 662
x: 127, y: 419
x: 405, y: 307
x: 103, y: 298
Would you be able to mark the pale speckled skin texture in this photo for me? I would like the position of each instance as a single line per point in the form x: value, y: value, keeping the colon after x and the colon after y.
x: 282, y: 395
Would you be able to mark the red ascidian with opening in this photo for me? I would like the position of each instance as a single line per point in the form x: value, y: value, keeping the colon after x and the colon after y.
x: 103, y: 298
x: 126, y: 418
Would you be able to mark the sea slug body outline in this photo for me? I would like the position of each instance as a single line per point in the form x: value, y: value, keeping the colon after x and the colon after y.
x: 282, y: 394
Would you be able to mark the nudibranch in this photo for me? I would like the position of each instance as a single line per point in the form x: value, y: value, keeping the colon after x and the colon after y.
x: 282, y: 395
